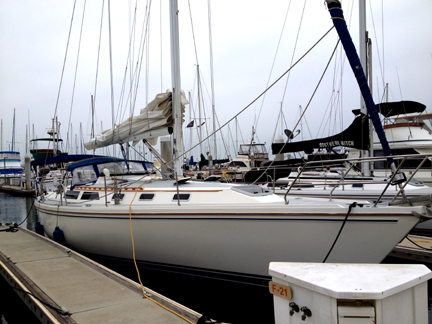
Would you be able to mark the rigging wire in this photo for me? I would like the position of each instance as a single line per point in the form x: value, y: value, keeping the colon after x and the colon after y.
x: 76, y: 72
x: 304, y: 111
x: 64, y: 61
x: 294, y: 50
x: 269, y: 87
x: 376, y: 41
x: 97, y: 60
x: 276, y: 53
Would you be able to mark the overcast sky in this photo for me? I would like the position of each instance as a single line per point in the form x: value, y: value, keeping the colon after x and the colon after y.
x: 245, y: 38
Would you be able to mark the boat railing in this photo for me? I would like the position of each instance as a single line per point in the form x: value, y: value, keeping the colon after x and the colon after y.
x: 352, y: 162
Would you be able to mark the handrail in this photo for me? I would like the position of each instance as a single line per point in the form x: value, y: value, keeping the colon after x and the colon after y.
x: 308, y: 166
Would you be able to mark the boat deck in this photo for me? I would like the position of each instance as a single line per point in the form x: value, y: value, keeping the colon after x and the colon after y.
x: 87, y: 291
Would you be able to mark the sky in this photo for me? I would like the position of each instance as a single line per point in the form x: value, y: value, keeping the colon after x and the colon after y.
x: 253, y: 43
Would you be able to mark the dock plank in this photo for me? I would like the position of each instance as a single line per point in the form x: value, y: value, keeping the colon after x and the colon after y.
x: 414, y: 247
x: 90, y: 292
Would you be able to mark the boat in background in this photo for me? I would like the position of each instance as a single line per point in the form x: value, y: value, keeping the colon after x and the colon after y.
x: 311, y: 180
x: 408, y: 134
x: 11, y: 170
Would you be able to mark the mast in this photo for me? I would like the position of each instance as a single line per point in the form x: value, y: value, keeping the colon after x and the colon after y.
x: 363, y: 61
x: 13, y: 131
x: 92, y: 129
x: 175, y: 78
x: 371, y: 150
x: 199, y: 109
x: 212, y: 82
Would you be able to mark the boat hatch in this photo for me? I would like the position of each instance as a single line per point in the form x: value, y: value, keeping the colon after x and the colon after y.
x: 252, y: 190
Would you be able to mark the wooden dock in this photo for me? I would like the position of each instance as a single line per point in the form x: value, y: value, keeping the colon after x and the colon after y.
x: 414, y: 247
x: 62, y: 286
x: 17, y: 190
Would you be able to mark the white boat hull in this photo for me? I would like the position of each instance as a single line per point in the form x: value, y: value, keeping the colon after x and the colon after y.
x: 229, y: 239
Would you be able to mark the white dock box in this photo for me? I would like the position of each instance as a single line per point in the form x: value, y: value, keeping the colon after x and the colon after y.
x: 343, y: 293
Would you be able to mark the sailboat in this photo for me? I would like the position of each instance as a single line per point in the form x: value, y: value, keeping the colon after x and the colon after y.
x: 113, y: 209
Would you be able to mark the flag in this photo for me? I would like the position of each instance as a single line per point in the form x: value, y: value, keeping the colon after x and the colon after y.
x: 190, y: 124
x: 201, y: 124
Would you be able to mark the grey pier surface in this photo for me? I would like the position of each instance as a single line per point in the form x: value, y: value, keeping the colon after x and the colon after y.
x: 90, y: 292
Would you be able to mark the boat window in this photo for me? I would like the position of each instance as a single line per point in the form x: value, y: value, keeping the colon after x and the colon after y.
x: 146, y: 196
x: 252, y: 148
x: 121, y: 167
x: 235, y: 164
x: 72, y: 194
x: 183, y: 197
x: 83, y: 175
x: 121, y: 196
x: 357, y: 185
x: 252, y: 190
x: 90, y: 196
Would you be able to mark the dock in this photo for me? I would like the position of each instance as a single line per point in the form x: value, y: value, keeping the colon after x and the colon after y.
x: 61, y: 286
x: 415, y: 248
x: 17, y: 190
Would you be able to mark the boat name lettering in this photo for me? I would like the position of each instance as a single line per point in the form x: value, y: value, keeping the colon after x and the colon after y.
x: 336, y: 143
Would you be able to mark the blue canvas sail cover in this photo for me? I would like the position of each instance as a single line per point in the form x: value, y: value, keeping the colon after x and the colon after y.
x: 336, y: 13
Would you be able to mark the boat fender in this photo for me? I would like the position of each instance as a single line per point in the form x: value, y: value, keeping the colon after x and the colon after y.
x: 58, y: 236
x: 39, y: 229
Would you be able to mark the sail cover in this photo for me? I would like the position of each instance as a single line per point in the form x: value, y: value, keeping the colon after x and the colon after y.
x: 153, y: 121
x: 356, y: 136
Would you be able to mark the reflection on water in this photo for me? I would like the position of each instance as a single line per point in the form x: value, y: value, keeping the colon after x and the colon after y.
x: 14, y: 209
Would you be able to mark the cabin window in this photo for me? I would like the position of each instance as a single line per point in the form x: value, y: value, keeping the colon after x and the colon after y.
x: 121, y: 196
x: 183, y: 197
x: 235, y: 164
x: 357, y: 185
x: 90, y: 196
x: 72, y: 194
x: 146, y: 196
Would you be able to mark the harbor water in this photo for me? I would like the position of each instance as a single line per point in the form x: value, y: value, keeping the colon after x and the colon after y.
x: 223, y: 299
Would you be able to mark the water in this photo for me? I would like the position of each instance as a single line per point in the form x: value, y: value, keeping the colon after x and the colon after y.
x: 230, y: 302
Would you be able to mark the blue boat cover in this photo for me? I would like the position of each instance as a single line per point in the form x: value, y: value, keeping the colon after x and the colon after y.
x: 336, y: 13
